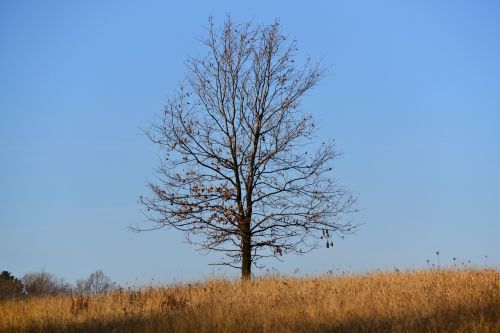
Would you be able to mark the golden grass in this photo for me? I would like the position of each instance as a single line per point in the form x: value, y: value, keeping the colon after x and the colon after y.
x: 426, y: 301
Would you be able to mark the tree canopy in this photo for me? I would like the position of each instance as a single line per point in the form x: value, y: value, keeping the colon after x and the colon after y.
x: 241, y: 171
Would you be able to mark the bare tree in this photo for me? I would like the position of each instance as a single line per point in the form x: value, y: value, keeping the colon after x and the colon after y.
x: 96, y: 283
x: 237, y: 172
x: 44, y: 283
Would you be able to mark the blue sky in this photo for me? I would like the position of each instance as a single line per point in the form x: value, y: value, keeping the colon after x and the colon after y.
x: 412, y: 99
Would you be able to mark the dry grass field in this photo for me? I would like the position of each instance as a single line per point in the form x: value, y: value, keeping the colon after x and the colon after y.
x: 425, y: 301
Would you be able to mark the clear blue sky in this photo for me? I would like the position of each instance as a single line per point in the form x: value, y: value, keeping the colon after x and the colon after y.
x: 413, y: 101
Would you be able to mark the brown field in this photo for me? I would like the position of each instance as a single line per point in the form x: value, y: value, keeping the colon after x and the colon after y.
x: 425, y: 301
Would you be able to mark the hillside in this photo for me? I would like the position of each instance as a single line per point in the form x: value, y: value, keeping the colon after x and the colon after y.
x: 423, y: 301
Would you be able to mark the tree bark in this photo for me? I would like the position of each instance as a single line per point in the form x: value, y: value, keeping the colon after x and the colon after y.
x: 246, y: 253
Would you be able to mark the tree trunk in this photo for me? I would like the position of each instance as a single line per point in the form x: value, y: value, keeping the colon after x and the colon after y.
x: 246, y: 254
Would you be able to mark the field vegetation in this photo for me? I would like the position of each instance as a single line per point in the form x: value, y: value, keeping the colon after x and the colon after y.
x: 447, y: 300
